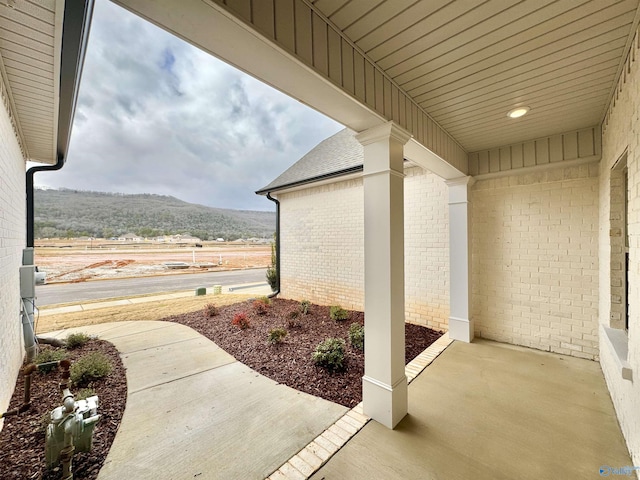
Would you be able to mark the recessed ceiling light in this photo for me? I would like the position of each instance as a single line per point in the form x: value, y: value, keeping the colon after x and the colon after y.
x: 518, y: 112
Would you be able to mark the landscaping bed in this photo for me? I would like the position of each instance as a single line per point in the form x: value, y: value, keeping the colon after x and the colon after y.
x: 22, y: 438
x: 288, y: 361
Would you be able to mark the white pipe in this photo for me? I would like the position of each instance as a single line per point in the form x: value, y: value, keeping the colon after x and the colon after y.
x: 27, y: 329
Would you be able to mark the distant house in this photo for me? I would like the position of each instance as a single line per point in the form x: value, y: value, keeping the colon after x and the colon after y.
x: 130, y: 237
x: 186, y: 238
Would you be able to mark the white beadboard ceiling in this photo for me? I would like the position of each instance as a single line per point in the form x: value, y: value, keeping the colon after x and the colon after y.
x: 468, y: 62
x: 29, y: 57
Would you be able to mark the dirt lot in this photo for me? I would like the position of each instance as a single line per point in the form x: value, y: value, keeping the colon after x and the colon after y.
x: 77, y: 261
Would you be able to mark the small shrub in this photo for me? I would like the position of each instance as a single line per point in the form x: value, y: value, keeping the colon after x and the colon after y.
x: 356, y: 336
x: 89, y: 368
x: 304, y: 306
x: 260, y: 307
x: 330, y: 354
x: 210, y: 310
x: 84, y: 393
x: 292, y: 319
x: 338, y: 313
x: 264, y: 299
x: 276, y: 335
x: 49, y: 355
x: 77, y: 340
x: 240, y: 320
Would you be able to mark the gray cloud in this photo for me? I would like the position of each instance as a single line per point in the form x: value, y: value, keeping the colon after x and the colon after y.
x: 156, y: 115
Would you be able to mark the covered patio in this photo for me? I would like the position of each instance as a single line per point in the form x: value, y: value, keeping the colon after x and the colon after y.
x: 439, y: 83
x: 489, y: 410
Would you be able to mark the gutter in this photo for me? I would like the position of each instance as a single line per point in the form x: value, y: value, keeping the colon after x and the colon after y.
x: 324, y: 176
x: 275, y: 200
x: 75, y: 34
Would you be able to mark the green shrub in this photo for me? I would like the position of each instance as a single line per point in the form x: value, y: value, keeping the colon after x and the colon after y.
x: 356, y: 336
x: 272, y: 271
x: 210, y: 310
x: 304, y: 306
x: 76, y: 340
x: 264, y: 299
x: 84, y: 393
x: 330, y: 354
x: 241, y: 321
x: 337, y: 313
x: 49, y: 355
x: 276, y: 335
x: 90, y: 367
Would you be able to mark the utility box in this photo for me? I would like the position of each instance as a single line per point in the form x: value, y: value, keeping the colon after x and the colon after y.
x: 28, y: 256
x: 28, y: 281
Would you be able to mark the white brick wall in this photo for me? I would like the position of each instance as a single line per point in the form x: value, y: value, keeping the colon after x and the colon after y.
x: 535, y: 280
x: 12, y: 241
x: 426, y: 246
x: 621, y: 132
x: 327, y: 266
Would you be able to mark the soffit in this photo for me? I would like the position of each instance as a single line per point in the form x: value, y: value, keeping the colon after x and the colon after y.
x: 28, y: 50
x: 469, y: 62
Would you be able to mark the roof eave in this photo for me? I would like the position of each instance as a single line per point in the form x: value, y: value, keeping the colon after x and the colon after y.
x: 75, y: 34
x: 318, y: 178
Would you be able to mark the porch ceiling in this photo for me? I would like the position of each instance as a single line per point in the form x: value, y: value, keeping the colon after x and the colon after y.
x: 467, y: 63
x: 30, y: 39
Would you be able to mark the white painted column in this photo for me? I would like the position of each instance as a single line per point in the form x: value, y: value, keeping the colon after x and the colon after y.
x: 460, y: 321
x: 384, y: 385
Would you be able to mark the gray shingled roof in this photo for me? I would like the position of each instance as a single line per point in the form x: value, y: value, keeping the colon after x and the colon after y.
x: 337, y: 155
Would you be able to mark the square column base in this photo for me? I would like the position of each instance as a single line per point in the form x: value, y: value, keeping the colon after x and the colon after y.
x: 461, y: 329
x: 386, y: 404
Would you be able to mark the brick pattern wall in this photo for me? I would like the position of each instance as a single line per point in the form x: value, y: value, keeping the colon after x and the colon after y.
x: 621, y: 133
x: 322, y: 249
x: 427, y: 249
x: 535, y: 270
x: 328, y: 266
x: 12, y: 241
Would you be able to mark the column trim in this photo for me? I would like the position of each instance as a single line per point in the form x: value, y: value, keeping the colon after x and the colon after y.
x: 383, y: 132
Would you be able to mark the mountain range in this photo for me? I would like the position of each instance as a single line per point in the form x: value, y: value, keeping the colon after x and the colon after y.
x: 68, y: 213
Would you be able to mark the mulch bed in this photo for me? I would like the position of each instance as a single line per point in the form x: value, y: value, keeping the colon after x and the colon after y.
x: 22, y: 438
x: 290, y: 362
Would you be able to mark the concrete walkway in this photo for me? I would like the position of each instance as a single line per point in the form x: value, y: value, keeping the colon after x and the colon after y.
x: 193, y: 411
x: 493, y: 411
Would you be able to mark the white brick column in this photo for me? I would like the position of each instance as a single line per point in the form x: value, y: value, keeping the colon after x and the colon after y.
x: 384, y: 385
x: 460, y: 321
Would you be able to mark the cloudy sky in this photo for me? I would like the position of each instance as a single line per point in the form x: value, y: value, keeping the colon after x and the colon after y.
x: 156, y: 115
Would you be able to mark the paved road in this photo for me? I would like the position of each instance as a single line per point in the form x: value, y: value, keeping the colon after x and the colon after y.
x: 72, y: 292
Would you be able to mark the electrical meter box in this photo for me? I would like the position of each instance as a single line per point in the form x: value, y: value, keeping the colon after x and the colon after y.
x: 28, y: 256
x: 28, y: 281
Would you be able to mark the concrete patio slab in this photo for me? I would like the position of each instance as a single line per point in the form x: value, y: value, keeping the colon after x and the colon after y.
x: 487, y: 410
